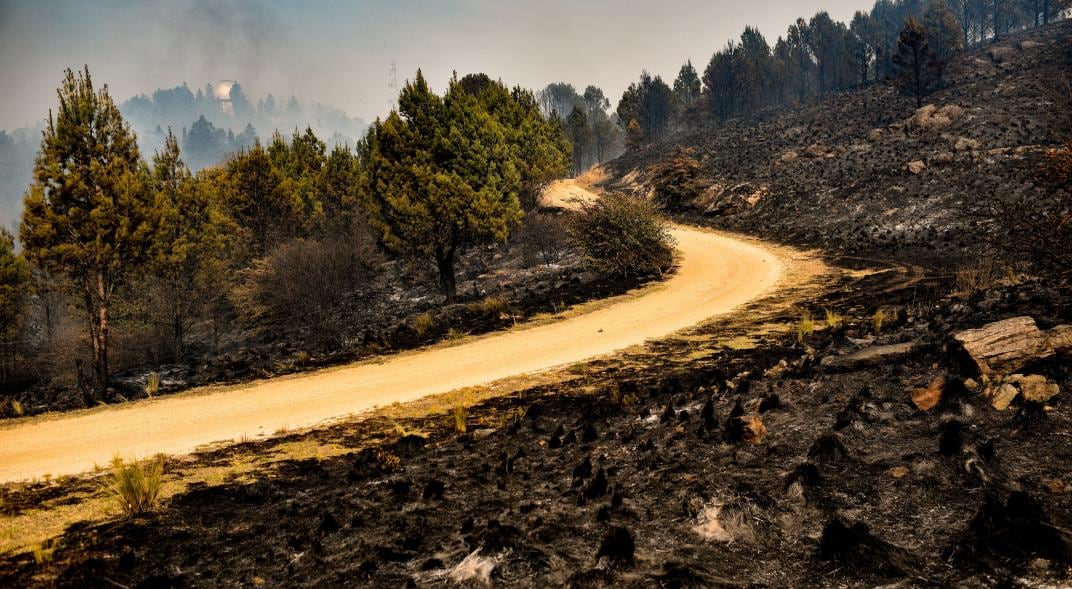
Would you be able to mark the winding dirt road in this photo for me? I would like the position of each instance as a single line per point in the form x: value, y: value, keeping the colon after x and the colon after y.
x: 715, y: 274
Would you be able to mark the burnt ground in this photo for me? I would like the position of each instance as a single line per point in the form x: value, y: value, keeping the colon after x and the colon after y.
x: 605, y: 481
x: 637, y: 472
x: 834, y: 173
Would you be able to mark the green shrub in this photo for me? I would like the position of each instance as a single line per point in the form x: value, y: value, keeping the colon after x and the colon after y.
x: 135, y: 486
x: 623, y: 236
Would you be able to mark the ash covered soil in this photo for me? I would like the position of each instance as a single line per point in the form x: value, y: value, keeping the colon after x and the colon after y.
x: 864, y: 455
x: 836, y: 173
x: 653, y: 470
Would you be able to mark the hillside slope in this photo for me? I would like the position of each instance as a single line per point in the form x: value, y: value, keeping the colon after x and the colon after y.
x: 836, y: 173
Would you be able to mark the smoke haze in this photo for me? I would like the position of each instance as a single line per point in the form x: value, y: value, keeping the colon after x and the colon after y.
x: 340, y: 53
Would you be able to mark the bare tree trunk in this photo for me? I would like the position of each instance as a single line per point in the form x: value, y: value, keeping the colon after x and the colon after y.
x: 445, y: 264
x: 102, y: 348
x: 177, y: 333
x: 96, y: 299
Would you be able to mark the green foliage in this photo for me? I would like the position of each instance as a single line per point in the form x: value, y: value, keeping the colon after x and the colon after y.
x: 136, y: 486
x: 444, y: 174
x: 580, y: 135
x: 623, y: 236
x: 14, y: 286
x: 687, y: 87
x: 943, y: 30
x: 87, y: 213
x: 649, y: 102
x: 188, y: 258
x: 256, y: 197
x: 541, y: 150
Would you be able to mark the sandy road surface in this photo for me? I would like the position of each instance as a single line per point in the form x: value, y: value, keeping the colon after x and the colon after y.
x: 716, y: 273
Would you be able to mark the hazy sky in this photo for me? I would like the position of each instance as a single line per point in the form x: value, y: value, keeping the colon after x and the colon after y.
x: 340, y: 52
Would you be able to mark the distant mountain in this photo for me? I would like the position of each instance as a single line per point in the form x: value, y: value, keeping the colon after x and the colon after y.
x: 211, y: 123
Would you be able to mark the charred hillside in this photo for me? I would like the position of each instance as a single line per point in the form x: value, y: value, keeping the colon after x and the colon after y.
x: 864, y: 171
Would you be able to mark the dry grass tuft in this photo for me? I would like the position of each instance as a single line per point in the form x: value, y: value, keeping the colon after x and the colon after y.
x: 495, y: 305
x: 135, y: 486
x: 44, y: 552
x: 387, y: 461
x: 718, y: 524
x: 805, y: 327
x: 460, y: 413
x: 592, y: 178
x: 834, y: 320
x: 423, y: 324
x: 883, y: 316
x: 152, y: 385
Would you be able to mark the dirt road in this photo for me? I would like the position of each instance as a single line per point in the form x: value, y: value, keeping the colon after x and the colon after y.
x: 716, y: 273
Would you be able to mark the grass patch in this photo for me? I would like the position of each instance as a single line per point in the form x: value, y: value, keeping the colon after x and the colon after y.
x: 423, y: 324
x: 136, y: 486
x: 152, y: 385
x: 460, y: 413
x: 44, y: 552
x: 882, y: 317
x: 980, y: 276
x: 455, y: 334
x: 387, y: 462
x: 495, y: 305
x: 805, y: 327
x: 834, y: 320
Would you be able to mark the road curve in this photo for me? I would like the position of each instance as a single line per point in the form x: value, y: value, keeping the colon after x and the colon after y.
x: 715, y: 274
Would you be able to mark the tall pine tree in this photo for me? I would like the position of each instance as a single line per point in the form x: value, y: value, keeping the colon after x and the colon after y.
x: 918, y: 69
x: 86, y: 213
x: 441, y: 176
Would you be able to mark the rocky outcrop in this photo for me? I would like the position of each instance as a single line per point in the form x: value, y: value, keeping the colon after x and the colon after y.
x: 1005, y: 346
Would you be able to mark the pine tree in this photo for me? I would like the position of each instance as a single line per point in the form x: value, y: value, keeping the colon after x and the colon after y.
x: 580, y: 136
x: 943, y: 34
x: 340, y: 184
x: 190, y: 240
x: 14, y: 290
x: 86, y: 213
x: 798, y: 40
x: 257, y: 199
x: 542, y: 151
x: 918, y: 68
x: 687, y: 87
x: 602, y: 129
x: 441, y: 176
